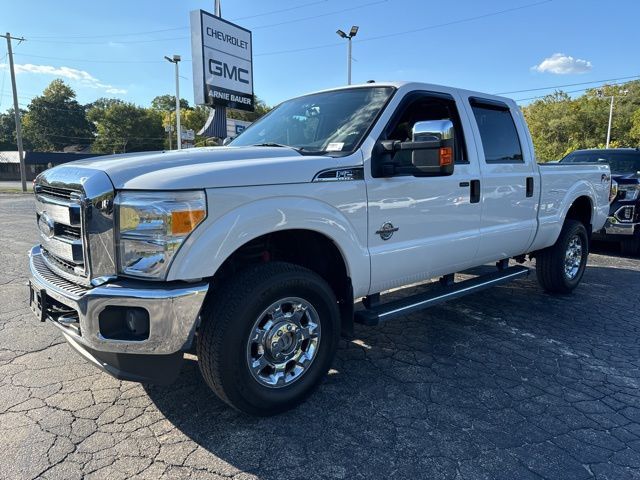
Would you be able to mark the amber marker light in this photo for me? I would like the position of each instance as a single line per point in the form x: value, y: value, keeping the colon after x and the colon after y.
x: 183, y: 222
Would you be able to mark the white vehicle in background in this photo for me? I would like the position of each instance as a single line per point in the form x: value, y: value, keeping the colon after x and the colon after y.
x: 254, y: 254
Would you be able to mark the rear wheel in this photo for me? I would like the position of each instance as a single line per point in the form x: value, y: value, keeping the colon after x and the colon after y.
x: 560, y: 267
x: 268, y: 337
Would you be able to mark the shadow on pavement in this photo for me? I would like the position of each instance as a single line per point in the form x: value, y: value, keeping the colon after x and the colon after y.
x: 507, y: 383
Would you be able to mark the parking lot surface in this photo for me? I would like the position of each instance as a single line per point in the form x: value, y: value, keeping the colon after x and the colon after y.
x: 509, y: 383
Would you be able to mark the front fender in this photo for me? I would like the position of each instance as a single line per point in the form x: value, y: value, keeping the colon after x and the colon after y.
x: 219, y: 236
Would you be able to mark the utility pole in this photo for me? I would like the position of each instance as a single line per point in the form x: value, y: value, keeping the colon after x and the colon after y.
x: 16, y: 110
x: 175, y: 60
x: 352, y: 33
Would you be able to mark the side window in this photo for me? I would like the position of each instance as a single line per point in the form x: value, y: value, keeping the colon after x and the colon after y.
x: 422, y: 107
x: 498, y: 132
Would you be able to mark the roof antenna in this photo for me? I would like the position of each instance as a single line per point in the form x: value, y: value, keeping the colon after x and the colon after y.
x: 371, y: 81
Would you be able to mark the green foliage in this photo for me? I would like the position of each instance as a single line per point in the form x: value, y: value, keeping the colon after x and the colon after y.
x: 260, y: 110
x: 167, y: 103
x: 124, y: 127
x: 8, y: 130
x: 560, y: 124
x: 55, y: 120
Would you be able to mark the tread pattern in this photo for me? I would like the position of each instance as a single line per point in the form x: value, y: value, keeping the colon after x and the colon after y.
x: 219, y: 316
x: 550, y: 261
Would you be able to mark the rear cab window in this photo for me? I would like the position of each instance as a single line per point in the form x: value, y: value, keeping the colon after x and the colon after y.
x: 498, y: 132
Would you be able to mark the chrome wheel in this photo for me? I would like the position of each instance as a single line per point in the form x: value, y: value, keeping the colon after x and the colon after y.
x: 283, y: 342
x: 573, y: 257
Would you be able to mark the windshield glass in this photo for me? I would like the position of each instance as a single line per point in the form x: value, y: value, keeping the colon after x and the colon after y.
x: 334, y: 121
x: 619, y: 162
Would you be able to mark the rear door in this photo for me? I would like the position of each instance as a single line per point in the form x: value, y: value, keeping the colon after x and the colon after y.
x: 509, y: 179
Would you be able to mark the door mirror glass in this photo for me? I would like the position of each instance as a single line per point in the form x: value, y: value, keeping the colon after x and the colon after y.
x: 432, y: 147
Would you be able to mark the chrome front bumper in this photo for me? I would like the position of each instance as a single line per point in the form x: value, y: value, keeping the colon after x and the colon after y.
x: 173, y: 310
x: 614, y: 227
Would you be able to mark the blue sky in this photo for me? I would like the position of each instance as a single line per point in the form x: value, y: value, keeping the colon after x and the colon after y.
x: 105, y: 48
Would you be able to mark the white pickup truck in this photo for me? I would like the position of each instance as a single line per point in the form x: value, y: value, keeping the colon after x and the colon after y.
x: 252, y: 255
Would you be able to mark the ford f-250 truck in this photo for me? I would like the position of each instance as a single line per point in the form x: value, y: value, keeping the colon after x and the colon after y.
x: 253, y: 254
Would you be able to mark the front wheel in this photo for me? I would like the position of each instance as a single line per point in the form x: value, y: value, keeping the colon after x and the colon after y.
x: 268, y: 337
x: 560, y: 267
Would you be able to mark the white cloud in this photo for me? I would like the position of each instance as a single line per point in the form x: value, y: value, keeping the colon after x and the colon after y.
x: 562, y: 64
x: 80, y: 76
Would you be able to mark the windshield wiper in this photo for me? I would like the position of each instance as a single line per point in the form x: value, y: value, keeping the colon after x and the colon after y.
x: 273, y: 144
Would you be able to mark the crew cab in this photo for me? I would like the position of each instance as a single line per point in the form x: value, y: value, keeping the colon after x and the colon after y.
x: 623, y: 224
x: 252, y: 255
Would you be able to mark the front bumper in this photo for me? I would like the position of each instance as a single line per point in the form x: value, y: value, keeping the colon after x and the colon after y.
x: 173, y: 309
x: 615, y: 228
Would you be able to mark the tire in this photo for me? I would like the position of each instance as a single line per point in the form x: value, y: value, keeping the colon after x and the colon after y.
x: 552, y: 264
x: 227, y: 345
x: 631, y: 247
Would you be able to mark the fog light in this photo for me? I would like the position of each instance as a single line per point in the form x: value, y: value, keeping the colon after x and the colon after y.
x: 124, y: 323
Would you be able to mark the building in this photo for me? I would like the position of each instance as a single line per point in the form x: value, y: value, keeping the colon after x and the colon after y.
x: 35, y: 162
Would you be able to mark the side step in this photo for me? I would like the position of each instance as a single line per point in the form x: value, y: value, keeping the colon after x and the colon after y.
x: 439, y: 293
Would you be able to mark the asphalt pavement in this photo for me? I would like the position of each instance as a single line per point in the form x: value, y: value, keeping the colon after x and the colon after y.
x: 511, y: 383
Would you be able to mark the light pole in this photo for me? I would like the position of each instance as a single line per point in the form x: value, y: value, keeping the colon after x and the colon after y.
x: 600, y: 93
x: 352, y: 33
x: 175, y: 60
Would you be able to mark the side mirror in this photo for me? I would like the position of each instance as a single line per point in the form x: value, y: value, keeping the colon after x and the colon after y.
x: 432, y: 147
x: 227, y: 141
x: 432, y: 150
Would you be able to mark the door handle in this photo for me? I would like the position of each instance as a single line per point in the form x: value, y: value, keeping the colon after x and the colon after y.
x: 474, y: 191
x: 529, y: 186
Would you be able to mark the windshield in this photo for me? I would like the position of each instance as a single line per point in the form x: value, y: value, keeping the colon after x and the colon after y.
x: 619, y: 162
x: 335, y: 121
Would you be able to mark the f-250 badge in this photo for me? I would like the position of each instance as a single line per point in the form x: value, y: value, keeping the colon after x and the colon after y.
x: 387, y: 230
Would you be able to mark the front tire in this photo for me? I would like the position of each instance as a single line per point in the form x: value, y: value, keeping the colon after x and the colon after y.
x: 268, y: 337
x: 560, y: 268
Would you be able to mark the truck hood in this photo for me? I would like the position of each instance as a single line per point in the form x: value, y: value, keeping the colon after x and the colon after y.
x: 626, y: 177
x: 208, y: 167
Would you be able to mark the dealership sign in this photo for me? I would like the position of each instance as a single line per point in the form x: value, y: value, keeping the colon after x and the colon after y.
x: 222, y: 62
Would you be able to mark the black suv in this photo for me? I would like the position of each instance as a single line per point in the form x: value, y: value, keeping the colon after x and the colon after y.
x: 624, y: 216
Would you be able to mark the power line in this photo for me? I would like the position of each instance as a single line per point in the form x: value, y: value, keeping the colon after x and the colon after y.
x: 407, y: 32
x: 132, y: 34
x: 90, y: 60
x: 572, y: 91
x: 455, y: 22
x: 328, y: 14
x: 569, y: 85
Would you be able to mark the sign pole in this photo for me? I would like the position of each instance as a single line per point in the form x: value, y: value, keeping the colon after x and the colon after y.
x: 220, y: 111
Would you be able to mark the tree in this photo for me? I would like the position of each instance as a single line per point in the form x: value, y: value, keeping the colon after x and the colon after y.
x: 167, y: 103
x: 55, y: 119
x: 560, y: 124
x: 124, y: 127
x: 8, y: 130
x: 261, y: 109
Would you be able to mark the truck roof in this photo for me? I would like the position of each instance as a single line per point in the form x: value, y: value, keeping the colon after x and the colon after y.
x: 409, y: 85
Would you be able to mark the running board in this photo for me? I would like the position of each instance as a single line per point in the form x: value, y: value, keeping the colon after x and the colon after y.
x: 382, y: 312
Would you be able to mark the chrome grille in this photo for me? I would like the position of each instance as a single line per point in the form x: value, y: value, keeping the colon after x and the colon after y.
x: 74, y: 206
x: 58, y: 213
x: 43, y: 271
x: 55, y: 191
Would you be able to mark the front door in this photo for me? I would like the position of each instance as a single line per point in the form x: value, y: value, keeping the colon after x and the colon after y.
x: 421, y: 227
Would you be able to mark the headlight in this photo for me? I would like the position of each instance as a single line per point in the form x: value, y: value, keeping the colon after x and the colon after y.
x: 613, y: 191
x: 628, y: 192
x: 151, y: 227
